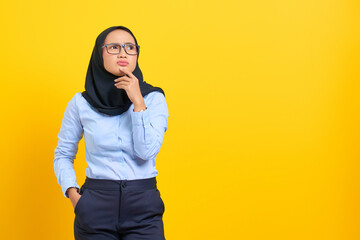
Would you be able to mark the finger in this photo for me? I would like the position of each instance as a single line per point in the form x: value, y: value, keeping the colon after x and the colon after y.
x: 127, y: 72
x: 120, y: 85
x: 123, y: 79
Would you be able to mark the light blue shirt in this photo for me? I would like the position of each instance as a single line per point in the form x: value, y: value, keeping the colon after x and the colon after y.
x: 117, y: 147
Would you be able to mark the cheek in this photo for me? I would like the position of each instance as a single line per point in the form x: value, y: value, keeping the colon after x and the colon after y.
x: 107, y: 62
x: 133, y: 63
x: 104, y: 58
x: 107, y: 59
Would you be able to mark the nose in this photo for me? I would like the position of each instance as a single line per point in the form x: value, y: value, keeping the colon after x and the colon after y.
x: 122, y: 52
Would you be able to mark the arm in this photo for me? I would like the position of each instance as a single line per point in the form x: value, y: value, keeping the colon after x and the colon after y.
x: 149, y: 126
x: 71, y: 132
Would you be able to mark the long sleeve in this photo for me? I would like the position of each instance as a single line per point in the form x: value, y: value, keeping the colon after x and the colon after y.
x: 149, y: 126
x: 70, y: 134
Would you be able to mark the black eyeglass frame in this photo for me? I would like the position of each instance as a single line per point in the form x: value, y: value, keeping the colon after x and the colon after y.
x: 121, y: 46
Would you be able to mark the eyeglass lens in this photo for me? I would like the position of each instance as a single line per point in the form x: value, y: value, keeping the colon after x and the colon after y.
x: 116, y: 48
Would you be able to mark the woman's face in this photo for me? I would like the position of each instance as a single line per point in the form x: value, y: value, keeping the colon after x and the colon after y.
x: 111, y: 61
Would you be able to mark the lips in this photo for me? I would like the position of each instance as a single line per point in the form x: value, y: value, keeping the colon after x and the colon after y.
x: 122, y: 63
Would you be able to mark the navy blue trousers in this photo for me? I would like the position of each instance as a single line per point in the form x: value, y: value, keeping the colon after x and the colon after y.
x: 119, y: 210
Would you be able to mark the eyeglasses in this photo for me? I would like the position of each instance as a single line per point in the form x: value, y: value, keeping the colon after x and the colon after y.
x: 115, y: 48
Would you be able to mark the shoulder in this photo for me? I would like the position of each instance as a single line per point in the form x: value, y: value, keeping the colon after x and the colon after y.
x: 156, y: 102
x: 79, y: 100
x: 78, y: 96
x: 75, y: 102
x: 155, y: 97
x: 75, y: 99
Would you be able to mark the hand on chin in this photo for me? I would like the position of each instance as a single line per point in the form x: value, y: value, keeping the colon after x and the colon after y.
x: 120, y: 72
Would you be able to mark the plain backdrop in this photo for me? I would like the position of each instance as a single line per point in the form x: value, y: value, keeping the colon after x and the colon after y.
x: 263, y: 97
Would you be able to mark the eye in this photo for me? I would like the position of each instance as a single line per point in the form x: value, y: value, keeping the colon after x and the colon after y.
x: 130, y: 47
x: 113, y: 47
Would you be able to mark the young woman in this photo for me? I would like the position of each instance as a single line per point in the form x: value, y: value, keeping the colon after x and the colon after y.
x: 123, y: 120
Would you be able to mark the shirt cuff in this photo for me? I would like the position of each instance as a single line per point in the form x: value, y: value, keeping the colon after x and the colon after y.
x: 140, y: 118
x: 66, y: 186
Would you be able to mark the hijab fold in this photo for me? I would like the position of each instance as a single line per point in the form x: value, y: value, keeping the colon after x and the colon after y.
x: 100, y: 91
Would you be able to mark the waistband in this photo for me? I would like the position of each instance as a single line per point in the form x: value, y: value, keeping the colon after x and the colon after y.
x: 116, y: 185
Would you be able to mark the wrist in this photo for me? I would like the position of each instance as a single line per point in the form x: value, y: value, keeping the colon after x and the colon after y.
x: 138, y: 100
x: 139, y: 107
x: 71, y: 190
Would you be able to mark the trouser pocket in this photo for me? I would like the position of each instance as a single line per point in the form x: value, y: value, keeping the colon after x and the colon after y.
x: 160, y: 200
x: 82, y: 192
x: 143, y: 205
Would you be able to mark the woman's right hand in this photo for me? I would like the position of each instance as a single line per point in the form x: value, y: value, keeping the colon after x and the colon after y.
x: 74, y: 196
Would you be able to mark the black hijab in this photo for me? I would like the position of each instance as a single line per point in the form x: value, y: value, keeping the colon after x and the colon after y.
x: 100, y: 91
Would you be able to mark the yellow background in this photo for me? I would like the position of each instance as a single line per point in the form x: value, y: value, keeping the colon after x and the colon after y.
x: 263, y: 97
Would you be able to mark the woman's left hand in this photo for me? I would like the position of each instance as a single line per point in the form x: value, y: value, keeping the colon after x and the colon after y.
x: 130, y: 84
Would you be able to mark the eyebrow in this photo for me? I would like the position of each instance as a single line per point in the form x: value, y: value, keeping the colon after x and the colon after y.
x: 124, y: 43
